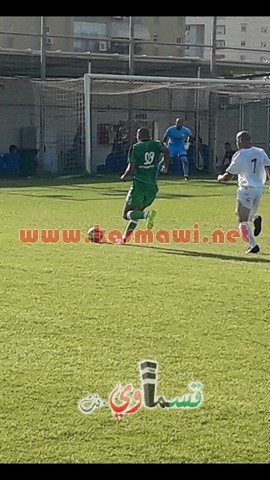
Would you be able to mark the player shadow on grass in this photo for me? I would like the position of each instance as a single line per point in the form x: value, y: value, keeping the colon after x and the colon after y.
x: 193, y: 253
x: 76, y: 181
x: 117, y: 193
x: 36, y: 195
x: 57, y: 197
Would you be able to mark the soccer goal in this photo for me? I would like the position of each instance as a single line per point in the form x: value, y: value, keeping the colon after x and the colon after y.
x: 88, y: 124
x: 214, y: 109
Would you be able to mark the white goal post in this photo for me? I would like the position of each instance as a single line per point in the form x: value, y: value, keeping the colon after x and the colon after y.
x: 129, y: 100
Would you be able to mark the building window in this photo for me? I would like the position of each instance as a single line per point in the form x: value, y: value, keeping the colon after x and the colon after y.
x: 220, y: 43
x: 263, y: 44
x: 155, y: 37
x: 243, y: 27
x: 243, y: 58
x: 264, y: 29
x: 221, y: 30
x: 219, y: 56
x: 243, y: 43
x: 178, y: 40
x: 88, y: 29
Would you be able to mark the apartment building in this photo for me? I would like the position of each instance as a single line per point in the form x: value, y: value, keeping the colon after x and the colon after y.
x: 165, y: 30
x: 29, y: 29
x: 108, y: 34
x: 238, y: 39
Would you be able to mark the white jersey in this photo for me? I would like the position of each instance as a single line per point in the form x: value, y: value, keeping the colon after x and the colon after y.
x: 249, y: 164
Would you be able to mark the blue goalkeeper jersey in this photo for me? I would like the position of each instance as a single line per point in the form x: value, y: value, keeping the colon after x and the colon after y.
x: 177, y: 139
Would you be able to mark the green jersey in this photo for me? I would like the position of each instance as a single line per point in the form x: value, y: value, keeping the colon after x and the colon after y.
x: 146, y: 157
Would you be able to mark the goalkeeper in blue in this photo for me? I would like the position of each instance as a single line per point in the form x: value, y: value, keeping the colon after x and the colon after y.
x: 176, y: 137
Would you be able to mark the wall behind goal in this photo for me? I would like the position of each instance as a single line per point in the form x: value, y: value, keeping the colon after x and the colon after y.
x: 154, y: 109
x: 17, y: 111
x: 214, y: 109
x: 53, y: 113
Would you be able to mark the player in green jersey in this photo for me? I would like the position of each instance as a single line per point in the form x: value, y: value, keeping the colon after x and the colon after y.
x: 143, y: 164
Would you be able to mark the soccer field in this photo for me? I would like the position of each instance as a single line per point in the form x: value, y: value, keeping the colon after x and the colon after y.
x: 78, y: 318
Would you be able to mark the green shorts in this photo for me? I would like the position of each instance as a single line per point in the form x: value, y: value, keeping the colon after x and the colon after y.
x: 141, y: 195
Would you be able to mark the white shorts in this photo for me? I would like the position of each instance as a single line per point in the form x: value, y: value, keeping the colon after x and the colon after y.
x: 250, y: 198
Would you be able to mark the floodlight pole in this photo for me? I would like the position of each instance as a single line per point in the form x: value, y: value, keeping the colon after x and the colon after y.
x: 214, y: 48
x: 131, y: 72
x: 131, y: 46
x: 43, y: 35
x: 213, y: 104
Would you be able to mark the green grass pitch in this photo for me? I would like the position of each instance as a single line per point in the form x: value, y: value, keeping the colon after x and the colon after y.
x: 76, y: 319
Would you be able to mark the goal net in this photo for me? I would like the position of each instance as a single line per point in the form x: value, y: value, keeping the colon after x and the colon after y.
x: 59, y: 108
x: 214, y: 110
x: 92, y: 121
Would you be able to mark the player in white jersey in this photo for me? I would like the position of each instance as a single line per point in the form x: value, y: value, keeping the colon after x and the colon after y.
x: 252, y: 165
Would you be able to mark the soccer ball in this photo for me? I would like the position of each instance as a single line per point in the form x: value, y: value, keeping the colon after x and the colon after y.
x: 95, y: 234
